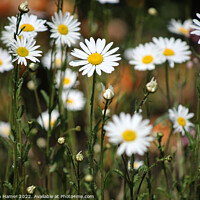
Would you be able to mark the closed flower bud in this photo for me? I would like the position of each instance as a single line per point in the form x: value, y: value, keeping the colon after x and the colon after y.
x: 152, y: 86
x: 79, y: 157
x: 88, y: 178
x: 109, y: 93
x: 33, y: 66
x: 169, y: 158
x: 152, y: 11
x: 31, y: 85
x: 78, y: 128
x: 61, y: 140
x: 23, y: 7
x: 30, y: 189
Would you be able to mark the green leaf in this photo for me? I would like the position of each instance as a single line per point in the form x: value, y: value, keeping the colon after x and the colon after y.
x: 45, y: 96
x: 190, y: 138
x: 8, y: 186
x: 53, y: 168
x: 26, y: 150
x: 119, y: 172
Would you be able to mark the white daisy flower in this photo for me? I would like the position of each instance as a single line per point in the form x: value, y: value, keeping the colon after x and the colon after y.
x: 5, y: 61
x: 180, y: 119
x: 196, y: 26
x: 46, y: 60
x: 174, y: 51
x: 30, y: 25
x: 23, y: 49
x: 95, y: 56
x: 45, y: 117
x: 73, y: 100
x: 69, y: 78
x: 131, y: 132
x: 145, y: 57
x: 136, y: 164
x: 5, y: 129
x: 108, y: 1
x: 175, y: 26
x: 64, y: 28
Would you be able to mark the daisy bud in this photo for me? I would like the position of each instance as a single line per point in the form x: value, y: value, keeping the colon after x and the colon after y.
x: 39, y: 162
x: 78, y: 128
x: 41, y: 142
x: 169, y: 158
x: 88, y: 178
x: 61, y: 140
x: 30, y: 189
x: 107, y: 112
x: 33, y: 66
x: 152, y: 11
x: 23, y: 7
x: 108, y: 146
x: 109, y: 93
x: 79, y: 157
x: 152, y: 86
x: 31, y: 85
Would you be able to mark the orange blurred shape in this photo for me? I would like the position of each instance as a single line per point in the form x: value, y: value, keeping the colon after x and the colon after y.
x: 39, y: 5
x: 5, y: 7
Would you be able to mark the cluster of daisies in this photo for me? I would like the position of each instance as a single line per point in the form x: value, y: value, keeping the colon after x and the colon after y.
x: 131, y: 133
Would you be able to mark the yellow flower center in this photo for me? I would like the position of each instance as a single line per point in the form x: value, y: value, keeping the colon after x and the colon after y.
x: 66, y: 81
x: 6, y: 131
x: 129, y: 135
x: 52, y: 123
x: 58, y: 61
x: 168, y: 52
x: 27, y: 27
x: 147, y: 59
x: 70, y: 101
x: 1, y: 62
x: 63, y: 29
x: 22, y: 51
x: 95, y: 59
x: 181, y: 121
x: 183, y: 30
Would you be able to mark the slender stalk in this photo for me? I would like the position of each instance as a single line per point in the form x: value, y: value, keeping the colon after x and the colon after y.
x: 149, y: 177
x: 167, y: 84
x: 92, y: 134
x: 78, y: 178
x: 102, y: 150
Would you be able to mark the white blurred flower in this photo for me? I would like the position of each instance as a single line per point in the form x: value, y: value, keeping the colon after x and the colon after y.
x: 5, y: 129
x: 136, y: 164
x: 108, y: 1
x: 5, y: 61
x: 196, y: 26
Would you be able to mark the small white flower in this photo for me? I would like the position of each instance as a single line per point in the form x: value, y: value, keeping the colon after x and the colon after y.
x: 145, y: 57
x: 5, y: 129
x: 175, y: 26
x: 196, y: 26
x: 180, y: 119
x: 95, y: 56
x: 24, y: 50
x: 31, y: 85
x: 29, y: 24
x: 174, y: 51
x: 45, y: 117
x: 152, y: 11
x: 69, y: 78
x: 136, y: 164
x: 108, y: 1
x: 64, y: 28
x: 152, y: 85
x: 41, y: 142
x: 131, y: 132
x: 5, y: 61
x: 61, y: 140
x: 30, y: 189
x: 73, y: 100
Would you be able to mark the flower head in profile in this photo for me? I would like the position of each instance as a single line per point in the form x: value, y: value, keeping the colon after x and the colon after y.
x: 69, y: 79
x: 24, y: 49
x: 95, y: 56
x: 29, y: 25
x: 5, y: 61
x: 196, y: 27
x: 108, y: 1
x: 108, y: 93
x: 136, y: 164
x: 180, y: 119
x: 5, y: 129
x: 45, y: 119
x: 73, y: 100
x: 64, y: 28
x: 176, y: 26
x: 131, y: 132
x: 145, y: 57
x: 174, y: 51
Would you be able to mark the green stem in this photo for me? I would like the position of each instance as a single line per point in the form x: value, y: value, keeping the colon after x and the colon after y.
x: 167, y: 84
x: 149, y: 177
x: 102, y: 151
x: 92, y: 134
